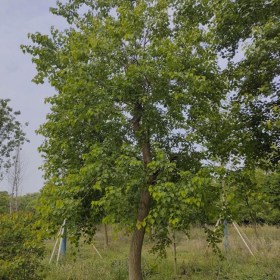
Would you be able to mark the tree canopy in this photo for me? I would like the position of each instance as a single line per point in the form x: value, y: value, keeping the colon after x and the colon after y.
x: 247, y: 35
x: 142, y: 104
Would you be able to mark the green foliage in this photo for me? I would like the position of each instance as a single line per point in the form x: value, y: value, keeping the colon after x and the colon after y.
x: 271, y: 188
x: 247, y: 34
x: 134, y: 83
x: 27, y: 203
x: 21, y: 248
x: 246, y: 199
x: 251, y: 196
x: 142, y: 105
x: 11, y: 135
x: 4, y: 202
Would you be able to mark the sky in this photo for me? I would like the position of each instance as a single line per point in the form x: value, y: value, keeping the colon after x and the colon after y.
x: 17, y: 19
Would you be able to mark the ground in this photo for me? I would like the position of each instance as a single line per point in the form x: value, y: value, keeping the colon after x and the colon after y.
x: 195, y: 261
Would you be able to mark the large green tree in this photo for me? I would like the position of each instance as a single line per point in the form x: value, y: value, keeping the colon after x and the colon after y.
x: 133, y: 79
x: 11, y: 135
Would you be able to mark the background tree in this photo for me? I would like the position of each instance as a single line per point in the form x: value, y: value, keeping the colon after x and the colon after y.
x: 247, y: 35
x: 28, y: 202
x: 15, y: 176
x: 11, y: 135
x: 271, y: 185
x: 247, y: 38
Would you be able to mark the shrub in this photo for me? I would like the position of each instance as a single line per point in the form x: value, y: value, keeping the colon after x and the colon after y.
x: 21, y: 249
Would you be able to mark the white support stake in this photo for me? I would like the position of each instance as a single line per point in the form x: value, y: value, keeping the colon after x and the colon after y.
x: 246, y: 237
x: 243, y: 239
x: 53, y: 251
x: 60, y: 244
x: 218, y: 222
x: 97, y: 251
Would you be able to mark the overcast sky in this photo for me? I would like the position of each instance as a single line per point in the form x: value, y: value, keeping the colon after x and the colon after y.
x: 17, y: 19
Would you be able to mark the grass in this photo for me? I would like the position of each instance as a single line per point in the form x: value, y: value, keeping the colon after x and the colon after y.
x: 195, y: 261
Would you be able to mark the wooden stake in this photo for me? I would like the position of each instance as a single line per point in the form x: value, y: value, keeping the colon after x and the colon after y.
x: 97, y: 251
x: 175, y: 253
x: 243, y: 239
x: 61, y: 241
x: 59, y: 233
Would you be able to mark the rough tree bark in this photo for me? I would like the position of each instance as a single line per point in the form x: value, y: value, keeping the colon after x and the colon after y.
x: 135, y: 271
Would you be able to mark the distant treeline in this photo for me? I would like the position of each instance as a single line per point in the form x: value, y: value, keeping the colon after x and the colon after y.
x: 26, y: 203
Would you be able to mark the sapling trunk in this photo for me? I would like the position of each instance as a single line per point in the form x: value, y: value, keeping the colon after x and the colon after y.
x: 175, y: 253
x: 106, y: 239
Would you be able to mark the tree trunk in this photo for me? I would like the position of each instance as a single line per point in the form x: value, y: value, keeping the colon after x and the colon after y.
x: 135, y: 271
x: 106, y: 239
x: 134, y: 263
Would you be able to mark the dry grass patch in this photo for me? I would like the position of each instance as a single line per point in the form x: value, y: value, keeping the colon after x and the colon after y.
x: 195, y: 261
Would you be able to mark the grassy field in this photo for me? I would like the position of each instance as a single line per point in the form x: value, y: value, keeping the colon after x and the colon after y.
x: 194, y: 260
